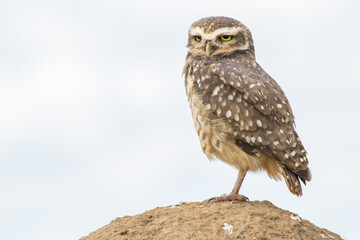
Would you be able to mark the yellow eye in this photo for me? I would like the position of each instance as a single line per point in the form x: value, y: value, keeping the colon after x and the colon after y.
x: 197, y: 38
x: 226, y: 37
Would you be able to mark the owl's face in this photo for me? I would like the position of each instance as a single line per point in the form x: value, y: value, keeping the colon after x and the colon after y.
x: 215, y: 36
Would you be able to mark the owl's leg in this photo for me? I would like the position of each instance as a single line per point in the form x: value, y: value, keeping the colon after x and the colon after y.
x: 239, y: 180
x: 234, y: 195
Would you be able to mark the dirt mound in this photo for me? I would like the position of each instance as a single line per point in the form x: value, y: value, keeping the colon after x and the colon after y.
x: 225, y: 220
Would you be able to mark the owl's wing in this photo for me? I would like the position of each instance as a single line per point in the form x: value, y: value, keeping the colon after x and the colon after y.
x: 255, y: 106
x: 258, y: 88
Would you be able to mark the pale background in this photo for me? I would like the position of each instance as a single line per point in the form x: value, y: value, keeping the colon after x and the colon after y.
x: 95, y: 124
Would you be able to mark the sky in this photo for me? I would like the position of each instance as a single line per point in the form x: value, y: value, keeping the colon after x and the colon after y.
x: 95, y: 123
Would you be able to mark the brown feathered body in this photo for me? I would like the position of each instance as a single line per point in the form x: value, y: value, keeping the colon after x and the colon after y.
x: 240, y: 113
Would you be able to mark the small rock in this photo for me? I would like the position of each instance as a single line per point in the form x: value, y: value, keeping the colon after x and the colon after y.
x: 322, y: 235
x: 295, y: 217
x: 228, y: 228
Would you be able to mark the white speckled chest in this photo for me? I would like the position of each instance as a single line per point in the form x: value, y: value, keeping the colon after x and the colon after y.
x: 215, y: 133
x: 200, y: 117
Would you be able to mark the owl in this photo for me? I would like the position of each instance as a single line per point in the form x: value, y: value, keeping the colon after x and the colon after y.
x: 241, y: 115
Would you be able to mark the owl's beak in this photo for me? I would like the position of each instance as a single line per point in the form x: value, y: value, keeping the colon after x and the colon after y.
x: 208, y: 49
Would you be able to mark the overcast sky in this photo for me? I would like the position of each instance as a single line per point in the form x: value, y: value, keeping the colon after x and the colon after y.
x: 95, y: 124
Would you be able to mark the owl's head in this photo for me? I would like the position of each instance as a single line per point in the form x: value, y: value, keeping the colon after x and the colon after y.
x: 218, y: 36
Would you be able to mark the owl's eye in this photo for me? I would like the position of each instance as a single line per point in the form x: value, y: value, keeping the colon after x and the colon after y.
x: 226, y: 37
x: 197, y: 38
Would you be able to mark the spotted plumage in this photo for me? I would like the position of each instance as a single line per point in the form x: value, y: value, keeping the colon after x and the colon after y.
x: 240, y: 113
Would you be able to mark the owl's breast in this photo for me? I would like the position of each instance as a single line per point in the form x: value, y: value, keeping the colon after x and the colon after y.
x: 216, y: 134
x: 201, y: 117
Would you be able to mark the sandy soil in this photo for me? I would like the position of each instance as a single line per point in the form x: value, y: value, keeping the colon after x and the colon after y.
x: 253, y: 220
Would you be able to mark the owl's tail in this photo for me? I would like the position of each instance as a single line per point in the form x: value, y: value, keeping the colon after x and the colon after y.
x: 292, y: 179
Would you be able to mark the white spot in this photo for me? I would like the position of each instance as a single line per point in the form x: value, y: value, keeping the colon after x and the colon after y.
x: 276, y: 143
x: 231, y: 83
x: 242, y: 123
x: 208, y: 106
x: 281, y: 131
x: 247, y: 139
x: 251, y: 123
x: 279, y: 105
x: 301, y: 160
x: 259, y: 123
x: 238, y: 99
x: 293, y: 153
x: 295, y: 217
x: 259, y: 139
x: 286, y: 156
x: 329, y: 235
x: 322, y: 235
x: 262, y: 107
x: 253, y: 139
x: 294, y: 144
x: 236, y: 116
x: 216, y: 91
x: 228, y: 114
x: 268, y: 132
x: 246, y: 112
x: 252, y: 85
x: 297, y: 164
x: 230, y: 97
x: 238, y: 83
x: 218, y: 111
x: 228, y: 228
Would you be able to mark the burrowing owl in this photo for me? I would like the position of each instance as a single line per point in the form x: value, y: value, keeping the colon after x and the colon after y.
x: 240, y: 113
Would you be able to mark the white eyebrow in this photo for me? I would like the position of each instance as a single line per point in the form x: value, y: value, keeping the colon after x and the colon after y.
x: 216, y: 33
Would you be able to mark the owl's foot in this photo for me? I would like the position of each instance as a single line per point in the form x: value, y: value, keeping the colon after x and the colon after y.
x: 230, y: 198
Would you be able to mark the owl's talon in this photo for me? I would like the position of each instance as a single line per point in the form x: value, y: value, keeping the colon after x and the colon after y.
x: 230, y: 198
